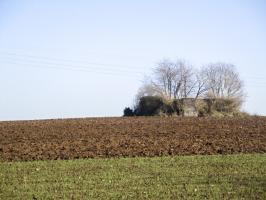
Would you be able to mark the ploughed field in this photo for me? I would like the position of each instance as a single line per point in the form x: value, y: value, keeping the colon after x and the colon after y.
x: 136, y: 136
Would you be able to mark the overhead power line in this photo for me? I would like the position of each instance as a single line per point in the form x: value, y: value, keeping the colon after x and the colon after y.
x: 85, y: 67
x: 32, y: 65
x: 43, y: 62
x: 50, y: 59
x: 23, y: 60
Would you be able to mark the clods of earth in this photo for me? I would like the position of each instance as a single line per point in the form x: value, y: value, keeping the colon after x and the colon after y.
x: 130, y: 137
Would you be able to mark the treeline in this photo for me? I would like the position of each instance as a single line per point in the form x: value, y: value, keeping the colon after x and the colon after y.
x: 175, y: 88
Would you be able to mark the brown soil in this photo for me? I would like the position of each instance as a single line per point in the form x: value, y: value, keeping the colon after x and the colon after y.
x: 140, y: 136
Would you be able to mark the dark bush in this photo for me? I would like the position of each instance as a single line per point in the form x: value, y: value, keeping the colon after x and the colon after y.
x: 149, y: 106
x: 167, y: 108
x: 128, y: 112
x: 177, y: 106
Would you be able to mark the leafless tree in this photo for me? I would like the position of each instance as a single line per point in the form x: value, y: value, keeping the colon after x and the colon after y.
x: 174, y: 80
x: 187, y: 78
x: 223, y: 81
x: 177, y: 80
x: 201, y: 84
x: 164, y: 77
x: 149, y: 88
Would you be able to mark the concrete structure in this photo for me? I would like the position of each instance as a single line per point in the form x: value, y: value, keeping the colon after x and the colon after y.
x: 189, y: 108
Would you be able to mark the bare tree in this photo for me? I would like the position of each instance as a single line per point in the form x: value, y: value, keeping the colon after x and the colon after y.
x: 174, y: 80
x: 149, y: 88
x: 164, y: 77
x: 201, y: 84
x: 187, y: 78
x: 223, y: 81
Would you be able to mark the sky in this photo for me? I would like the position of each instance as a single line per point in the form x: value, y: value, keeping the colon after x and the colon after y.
x: 67, y: 59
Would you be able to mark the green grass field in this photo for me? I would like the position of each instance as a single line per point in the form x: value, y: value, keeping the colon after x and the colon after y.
x: 180, y: 177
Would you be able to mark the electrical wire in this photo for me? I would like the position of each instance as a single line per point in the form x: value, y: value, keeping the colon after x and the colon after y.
x: 32, y: 65
x: 85, y: 66
x: 33, y: 57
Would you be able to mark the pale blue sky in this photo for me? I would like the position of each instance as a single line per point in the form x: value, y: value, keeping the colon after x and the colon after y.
x: 87, y: 58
